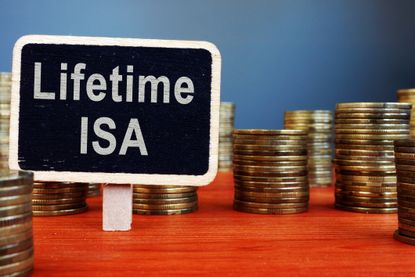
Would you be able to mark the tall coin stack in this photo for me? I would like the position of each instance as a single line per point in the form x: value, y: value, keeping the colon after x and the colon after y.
x: 164, y: 200
x: 94, y: 189
x: 226, y: 125
x: 56, y: 198
x: 364, y: 161
x: 319, y: 126
x: 408, y: 96
x: 405, y: 171
x: 270, y: 171
x: 5, y: 94
x: 16, y: 238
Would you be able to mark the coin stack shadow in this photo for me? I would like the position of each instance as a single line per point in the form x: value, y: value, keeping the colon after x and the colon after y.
x: 57, y: 198
x: 164, y: 200
x: 364, y: 158
x: 226, y: 126
x: 408, y: 96
x: 16, y: 236
x: 319, y: 126
x: 270, y: 171
x: 405, y: 171
x: 94, y: 189
x: 5, y: 94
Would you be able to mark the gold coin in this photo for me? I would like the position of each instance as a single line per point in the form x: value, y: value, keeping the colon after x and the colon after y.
x: 372, y: 136
x: 269, y: 132
x: 370, y: 121
x: 269, y: 174
x: 373, y: 131
x: 393, y: 105
x: 367, y: 126
x: 252, y: 147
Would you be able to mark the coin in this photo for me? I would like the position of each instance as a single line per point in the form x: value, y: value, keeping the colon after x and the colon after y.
x: 165, y: 201
x: 176, y: 206
x: 242, y: 208
x: 365, y: 210
x: 403, y: 238
x: 163, y: 195
x: 269, y: 132
x: 392, y: 105
x: 60, y: 212
x: 165, y: 212
x: 163, y: 189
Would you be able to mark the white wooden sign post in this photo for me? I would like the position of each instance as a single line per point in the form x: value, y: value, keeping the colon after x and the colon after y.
x: 116, y: 111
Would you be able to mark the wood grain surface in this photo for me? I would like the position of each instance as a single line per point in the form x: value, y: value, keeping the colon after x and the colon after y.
x: 218, y: 240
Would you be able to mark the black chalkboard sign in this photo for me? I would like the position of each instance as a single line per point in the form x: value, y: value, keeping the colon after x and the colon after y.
x: 115, y: 110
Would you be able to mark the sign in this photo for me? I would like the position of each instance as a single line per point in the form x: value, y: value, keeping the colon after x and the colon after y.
x: 115, y: 110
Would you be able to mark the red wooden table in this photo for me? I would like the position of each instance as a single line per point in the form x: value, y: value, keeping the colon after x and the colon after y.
x: 218, y: 240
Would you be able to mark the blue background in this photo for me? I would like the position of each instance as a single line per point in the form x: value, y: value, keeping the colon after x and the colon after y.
x: 277, y: 55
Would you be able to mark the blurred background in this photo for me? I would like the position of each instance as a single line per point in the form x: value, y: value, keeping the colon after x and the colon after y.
x: 277, y: 55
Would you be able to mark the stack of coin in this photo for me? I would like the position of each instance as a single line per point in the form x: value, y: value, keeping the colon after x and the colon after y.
x: 364, y: 161
x: 16, y: 238
x: 5, y: 93
x: 408, y: 96
x: 94, y: 189
x: 226, y: 125
x: 319, y: 126
x: 405, y: 171
x: 56, y: 198
x: 270, y: 171
x: 164, y: 200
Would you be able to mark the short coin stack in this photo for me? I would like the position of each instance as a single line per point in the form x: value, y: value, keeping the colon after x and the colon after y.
x: 364, y: 161
x: 405, y: 171
x: 94, y: 189
x: 56, y: 198
x: 164, y: 200
x: 16, y: 238
x: 408, y: 96
x: 226, y: 125
x: 270, y: 171
x: 319, y: 126
x: 5, y: 93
